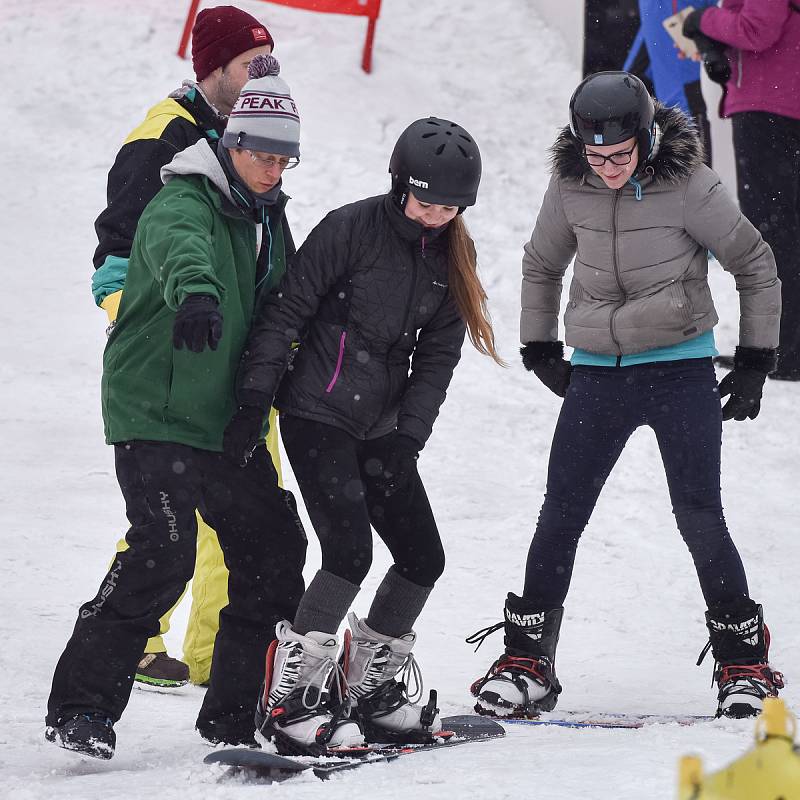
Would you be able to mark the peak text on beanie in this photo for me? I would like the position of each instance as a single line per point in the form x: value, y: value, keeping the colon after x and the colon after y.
x: 222, y: 33
x: 265, y: 117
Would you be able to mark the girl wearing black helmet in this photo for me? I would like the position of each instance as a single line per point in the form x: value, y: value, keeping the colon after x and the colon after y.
x: 631, y: 201
x: 380, y: 296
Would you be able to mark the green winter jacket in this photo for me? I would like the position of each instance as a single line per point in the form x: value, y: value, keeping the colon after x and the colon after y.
x: 191, y: 239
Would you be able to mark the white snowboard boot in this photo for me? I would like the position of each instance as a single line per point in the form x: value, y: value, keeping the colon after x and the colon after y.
x: 302, y: 706
x: 371, y: 662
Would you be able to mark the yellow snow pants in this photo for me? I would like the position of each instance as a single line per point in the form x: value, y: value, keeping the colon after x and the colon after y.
x: 209, y: 589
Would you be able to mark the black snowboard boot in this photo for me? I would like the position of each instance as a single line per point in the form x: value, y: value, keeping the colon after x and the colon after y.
x: 739, y: 641
x: 522, y: 682
x: 90, y: 734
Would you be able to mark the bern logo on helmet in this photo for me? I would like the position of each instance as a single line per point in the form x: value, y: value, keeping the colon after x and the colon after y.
x: 415, y: 182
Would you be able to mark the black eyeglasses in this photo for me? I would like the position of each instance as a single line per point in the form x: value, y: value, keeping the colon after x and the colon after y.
x: 619, y: 159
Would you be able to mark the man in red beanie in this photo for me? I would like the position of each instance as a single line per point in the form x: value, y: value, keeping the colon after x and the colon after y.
x: 224, y: 41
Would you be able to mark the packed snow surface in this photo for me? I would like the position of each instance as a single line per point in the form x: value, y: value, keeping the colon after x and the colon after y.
x: 78, y: 76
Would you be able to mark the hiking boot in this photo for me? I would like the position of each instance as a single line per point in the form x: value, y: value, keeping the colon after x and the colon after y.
x: 160, y: 669
x: 371, y: 662
x: 522, y: 682
x: 90, y: 734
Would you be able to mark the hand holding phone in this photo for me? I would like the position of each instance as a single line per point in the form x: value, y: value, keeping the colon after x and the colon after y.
x: 674, y: 27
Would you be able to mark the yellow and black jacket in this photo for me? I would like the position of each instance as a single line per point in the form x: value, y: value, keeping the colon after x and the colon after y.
x: 170, y: 126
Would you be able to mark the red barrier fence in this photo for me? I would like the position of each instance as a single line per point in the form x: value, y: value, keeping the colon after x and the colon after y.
x: 360, y: 8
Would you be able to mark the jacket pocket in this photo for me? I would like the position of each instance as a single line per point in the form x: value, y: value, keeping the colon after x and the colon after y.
x: 576, y: 296
x: 679, y: 302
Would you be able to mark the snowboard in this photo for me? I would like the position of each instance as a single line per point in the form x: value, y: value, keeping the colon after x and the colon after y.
x: 587, y: 719
x: 256, y: 765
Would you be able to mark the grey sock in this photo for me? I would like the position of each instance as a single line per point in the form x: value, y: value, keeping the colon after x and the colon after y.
x: 324, y: 604
x: 397, y: 604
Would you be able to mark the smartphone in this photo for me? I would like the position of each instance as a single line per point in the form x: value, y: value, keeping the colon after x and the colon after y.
x: 674, y: 27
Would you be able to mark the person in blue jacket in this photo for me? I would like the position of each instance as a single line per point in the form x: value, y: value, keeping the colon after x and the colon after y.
x: 653, y: 55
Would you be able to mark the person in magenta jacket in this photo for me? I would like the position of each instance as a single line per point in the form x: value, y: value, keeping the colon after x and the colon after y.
x: 762, y: 97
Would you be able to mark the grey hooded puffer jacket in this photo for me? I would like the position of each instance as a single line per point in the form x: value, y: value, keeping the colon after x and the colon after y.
x: 640, y: 273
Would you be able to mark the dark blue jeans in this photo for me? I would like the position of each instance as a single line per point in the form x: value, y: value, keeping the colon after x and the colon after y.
x: 679, y: 400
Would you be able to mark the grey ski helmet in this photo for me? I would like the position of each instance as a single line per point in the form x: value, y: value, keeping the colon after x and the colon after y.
x: 610, y: 107
x: 438, y: 161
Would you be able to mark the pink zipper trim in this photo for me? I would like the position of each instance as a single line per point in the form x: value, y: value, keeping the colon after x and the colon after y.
x: 338, y: 363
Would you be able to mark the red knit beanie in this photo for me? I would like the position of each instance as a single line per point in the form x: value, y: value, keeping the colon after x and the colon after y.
x: 222, y: 33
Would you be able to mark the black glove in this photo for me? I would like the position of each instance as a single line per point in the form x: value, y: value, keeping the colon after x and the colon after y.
x: 242, y: 434
x: 691, y: 23
x: 197, y: 323
x: 546, y: 361
x: 744, y: 384
x: 398, y: 455
x: 712, y: 52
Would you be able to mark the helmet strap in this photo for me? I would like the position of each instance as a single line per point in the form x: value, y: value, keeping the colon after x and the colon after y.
x: 654, y: 136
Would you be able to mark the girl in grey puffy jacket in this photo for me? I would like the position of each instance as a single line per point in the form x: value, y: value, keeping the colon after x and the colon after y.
x: 631, y: 201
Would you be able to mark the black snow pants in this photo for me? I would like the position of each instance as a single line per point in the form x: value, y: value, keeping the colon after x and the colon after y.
x: 264, y: 546
x: 767, y: 148
x: 680, y: 401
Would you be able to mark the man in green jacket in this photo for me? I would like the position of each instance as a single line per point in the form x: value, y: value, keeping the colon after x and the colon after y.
x: 224, y: 41
x: 208, y: 248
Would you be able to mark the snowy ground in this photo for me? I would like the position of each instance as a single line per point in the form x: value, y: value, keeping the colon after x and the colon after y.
x: 77, y: 77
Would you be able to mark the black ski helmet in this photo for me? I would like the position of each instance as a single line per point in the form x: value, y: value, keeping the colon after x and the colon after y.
x: 438, y: 161
x: 610, y: 107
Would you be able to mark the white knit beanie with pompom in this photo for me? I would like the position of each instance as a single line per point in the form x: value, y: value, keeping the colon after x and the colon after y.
x: 265, y: 117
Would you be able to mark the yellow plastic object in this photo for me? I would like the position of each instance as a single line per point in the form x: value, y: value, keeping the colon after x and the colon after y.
x: 111, y: 305
x: 770, y: 771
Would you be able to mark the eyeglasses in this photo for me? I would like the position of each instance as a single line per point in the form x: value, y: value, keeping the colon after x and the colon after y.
x: 270, y: 162
x: 619, y: 159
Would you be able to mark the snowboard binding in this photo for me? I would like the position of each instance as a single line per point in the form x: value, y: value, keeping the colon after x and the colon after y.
x: 295, y: 708
x: 385, y: 700
x: 514, y: 670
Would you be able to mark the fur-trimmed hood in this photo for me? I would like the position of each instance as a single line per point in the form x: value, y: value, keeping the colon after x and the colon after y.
x: 679, y: 150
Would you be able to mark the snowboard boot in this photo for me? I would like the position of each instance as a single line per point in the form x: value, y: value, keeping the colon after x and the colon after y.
x: 522, y: 682
x: 302, y: 707
x: 739, y: 641
x: 161, y: 671
x: 371, y: 662
x: 90, y: 734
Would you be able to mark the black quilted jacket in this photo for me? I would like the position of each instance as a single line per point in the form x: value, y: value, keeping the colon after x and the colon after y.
x: 367, y: 295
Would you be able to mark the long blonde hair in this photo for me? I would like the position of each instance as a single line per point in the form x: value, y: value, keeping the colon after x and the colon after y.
x: 467, y: 290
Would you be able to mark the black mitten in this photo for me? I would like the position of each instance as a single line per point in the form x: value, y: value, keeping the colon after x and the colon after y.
x: 546, y: 361
x: 691, y: 24
x: 242, y: 434
x: 198, y: 323
x: 745, y: 382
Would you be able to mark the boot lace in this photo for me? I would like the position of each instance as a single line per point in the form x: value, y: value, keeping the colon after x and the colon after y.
x: 480, y: 636
x: 385, y: 666
x: 314, y: 674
